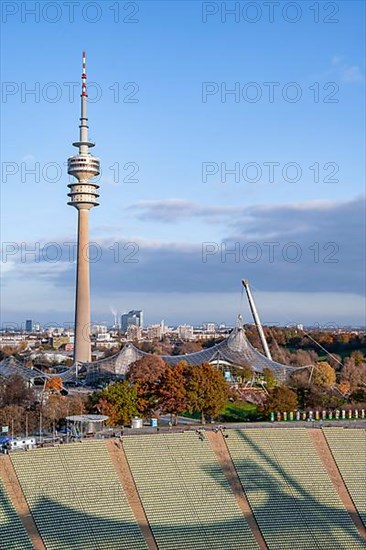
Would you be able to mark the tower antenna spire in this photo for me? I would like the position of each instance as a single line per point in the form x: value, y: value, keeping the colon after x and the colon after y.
x: 83, y: 144
x: 84, y: 141
x: 83, y: 77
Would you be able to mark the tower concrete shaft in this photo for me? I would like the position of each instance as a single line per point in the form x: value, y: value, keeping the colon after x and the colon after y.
x: 83, y: 196
x: 82, y: 345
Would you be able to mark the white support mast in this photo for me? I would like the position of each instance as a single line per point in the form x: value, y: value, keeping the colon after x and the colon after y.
x: 256, y: 318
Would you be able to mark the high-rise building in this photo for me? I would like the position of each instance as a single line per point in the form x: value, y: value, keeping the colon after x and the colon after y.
x: 185, y: 332
x: 83, y: 196
x: 209, y: 327
x: 134, y: 332
x: 29, y: 325
x: 156, y: 331
x: 135, y: 317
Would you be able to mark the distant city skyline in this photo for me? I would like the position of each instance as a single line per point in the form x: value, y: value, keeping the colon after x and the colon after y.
x: 230, y: 150
x: 214, y: 326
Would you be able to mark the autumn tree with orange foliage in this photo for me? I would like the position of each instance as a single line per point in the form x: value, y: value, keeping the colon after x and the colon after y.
x: 172, y: 394
x: 145, y: 374
x: 280, y: 399
x: 324, y: 375
x: 207, y: 390
x: 110, y: 410
x: 54, y: 384
x: 344, y: 388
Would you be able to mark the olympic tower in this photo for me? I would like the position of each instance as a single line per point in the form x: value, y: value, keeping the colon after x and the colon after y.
x: 83, y: 196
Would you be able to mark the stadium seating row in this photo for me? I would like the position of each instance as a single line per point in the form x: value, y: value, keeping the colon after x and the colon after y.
x: 290, y: 493
x: 76, y: 499
x: 349, y: 451
x: 12, y: 533
x: 77, y: 502
x: 185, y: 494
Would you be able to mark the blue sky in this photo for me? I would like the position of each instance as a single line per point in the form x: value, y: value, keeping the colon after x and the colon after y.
x: 169, y: 136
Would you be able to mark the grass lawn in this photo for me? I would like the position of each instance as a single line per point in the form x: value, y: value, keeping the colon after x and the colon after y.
x: 239, y: 411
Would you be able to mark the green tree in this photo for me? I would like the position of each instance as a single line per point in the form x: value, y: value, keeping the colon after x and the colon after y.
x: 119, y: 402
x: 269, y: 378
x: 207, y: 390
x: 172, y: 393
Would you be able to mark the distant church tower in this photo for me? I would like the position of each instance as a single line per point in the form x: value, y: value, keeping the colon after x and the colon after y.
x: 83, y: 196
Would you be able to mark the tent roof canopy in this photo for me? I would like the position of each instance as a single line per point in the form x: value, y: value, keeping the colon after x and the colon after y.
x: 235, y: 350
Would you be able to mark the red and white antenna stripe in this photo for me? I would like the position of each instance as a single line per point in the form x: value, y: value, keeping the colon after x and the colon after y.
x: 83, y: 77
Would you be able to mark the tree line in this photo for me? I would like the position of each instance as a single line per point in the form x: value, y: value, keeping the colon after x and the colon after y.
x: 28, y: 409
x: 153, y: 387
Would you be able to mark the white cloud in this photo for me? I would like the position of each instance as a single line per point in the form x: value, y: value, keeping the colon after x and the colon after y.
x: 172, y: 210
x: 350, y: 74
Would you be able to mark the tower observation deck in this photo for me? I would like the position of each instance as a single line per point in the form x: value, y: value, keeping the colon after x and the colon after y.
x: 83, y: 196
